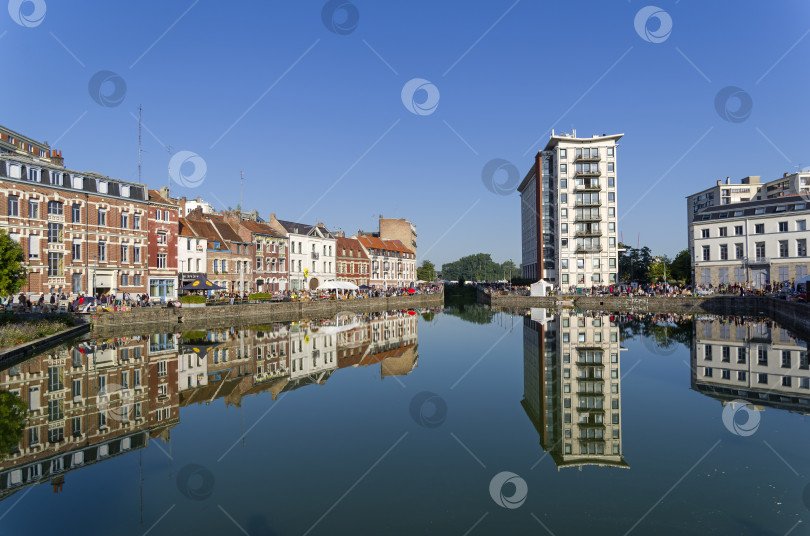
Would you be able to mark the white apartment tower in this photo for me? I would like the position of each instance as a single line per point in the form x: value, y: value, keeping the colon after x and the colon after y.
x: 568, y: 204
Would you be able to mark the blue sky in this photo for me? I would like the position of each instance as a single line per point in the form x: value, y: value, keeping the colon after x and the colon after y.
x: 322, y: 109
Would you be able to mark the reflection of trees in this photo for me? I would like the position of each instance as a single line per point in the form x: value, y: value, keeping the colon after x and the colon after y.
x: 428, y: 317
x: 12, y: 421
x: 477, y: 314
x: 665, y: 332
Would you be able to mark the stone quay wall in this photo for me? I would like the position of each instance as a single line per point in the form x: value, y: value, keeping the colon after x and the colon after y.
x: 182, y: 319
x: 791, y: 315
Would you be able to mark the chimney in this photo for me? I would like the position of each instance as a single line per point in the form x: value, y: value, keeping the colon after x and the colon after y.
x: 786, y: 175
x: 728, y: 180
x: 273, y: 216
x: 164, y: 192
x: 56, y: 158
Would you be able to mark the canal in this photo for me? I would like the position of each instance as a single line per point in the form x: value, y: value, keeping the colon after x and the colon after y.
x: 461, y: 420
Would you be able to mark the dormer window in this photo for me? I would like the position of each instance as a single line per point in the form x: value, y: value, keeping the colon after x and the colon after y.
x: 124, y: 190
x: 78, y: 182
x: 101, y: 186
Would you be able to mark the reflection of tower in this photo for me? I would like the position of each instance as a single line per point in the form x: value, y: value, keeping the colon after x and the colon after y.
x: 750, y: 360
x: 572, y: 390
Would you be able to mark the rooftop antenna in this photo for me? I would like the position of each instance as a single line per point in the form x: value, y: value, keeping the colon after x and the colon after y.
x: 169, y: 174
x: 140, y: 149
x: 241, y: 190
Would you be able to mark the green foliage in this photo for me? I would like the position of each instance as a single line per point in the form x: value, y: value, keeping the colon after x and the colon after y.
x: 634, y: 264
x: 473, y: 313
x: 477, y: 267
x: 681, y: 267
x: 192, y: 298
x: 260, y: 296
x: 195, y: 335
x: 429, y: 316
x: 13, y: 414
x: 12, y: 271
x: 426, y: 272
x: 17, y: 330
x: 660, y: 269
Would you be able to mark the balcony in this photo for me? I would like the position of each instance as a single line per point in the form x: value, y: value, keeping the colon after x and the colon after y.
x: 588, y: 188
x: 589, y: 249
x: 583, y: 204
x: 583, y: 158
x: 586, y: 234
x: 754, y: 261
x: 592, y: 173
x: 316, y: 256
x: 583, y: 218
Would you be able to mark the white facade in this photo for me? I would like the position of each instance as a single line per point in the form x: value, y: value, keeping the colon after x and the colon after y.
x: 569, y: 217
x: 192, y: 370
x: 311, y: 353
x: 191, y: 254
x: 312, y: 260
x: 752, y: 244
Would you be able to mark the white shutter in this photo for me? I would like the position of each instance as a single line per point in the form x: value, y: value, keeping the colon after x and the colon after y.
x: 33, y: 245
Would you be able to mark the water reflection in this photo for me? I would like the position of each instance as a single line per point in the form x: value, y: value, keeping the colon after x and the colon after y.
x: 751, y: 360
x: 99, y: 399
x: 572, y: 386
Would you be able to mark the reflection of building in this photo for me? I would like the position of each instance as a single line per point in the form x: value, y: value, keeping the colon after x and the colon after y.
x: 385, y: 338
x: 86, y: 403
x: 572, y: 390
x: 103, y: 398
x: 755, y: 361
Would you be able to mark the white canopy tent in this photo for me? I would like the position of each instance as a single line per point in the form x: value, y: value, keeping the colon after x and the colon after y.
x: 803, y: 281
x: 541, y: 288
x: 337, y: 285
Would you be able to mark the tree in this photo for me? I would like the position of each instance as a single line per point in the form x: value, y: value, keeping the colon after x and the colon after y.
x: 426, y: 272
x: 12, y: 271
x: 660, y: 269
x: 477, y: 267
x: 682, y: 267
x: 13, y: 413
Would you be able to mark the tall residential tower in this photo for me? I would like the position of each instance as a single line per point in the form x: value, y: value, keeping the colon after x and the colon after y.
x: 568, y: 209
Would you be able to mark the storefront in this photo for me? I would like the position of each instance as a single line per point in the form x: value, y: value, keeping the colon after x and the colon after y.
x: 162, y: 288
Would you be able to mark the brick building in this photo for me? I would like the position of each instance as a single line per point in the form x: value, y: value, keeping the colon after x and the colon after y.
x: 392, y: 264
x: 353, y: 264
x: 268, y: 248
x: 163, y: 231
x: 81, y: 232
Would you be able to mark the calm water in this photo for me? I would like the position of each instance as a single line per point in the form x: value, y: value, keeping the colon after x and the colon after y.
x: 467, y: 421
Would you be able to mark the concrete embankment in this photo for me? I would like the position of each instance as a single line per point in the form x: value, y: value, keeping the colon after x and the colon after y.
x: 790, y: 315
x: 172, y: 320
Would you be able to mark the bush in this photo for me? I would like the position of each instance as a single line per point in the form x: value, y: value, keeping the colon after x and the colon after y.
x: 260, y: 296
x: 192, y: 298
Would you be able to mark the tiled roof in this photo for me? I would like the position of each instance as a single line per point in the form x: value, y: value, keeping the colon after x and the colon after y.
x: 350, y: 244
x: 379, y: 243
x: 205, y: 229
x: 259, y: 228
x: 302, y: 228
x: 184, y: 228
x: 224, y: 228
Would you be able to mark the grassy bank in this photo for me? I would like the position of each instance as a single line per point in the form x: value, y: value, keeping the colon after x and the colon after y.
x: 18, y: 330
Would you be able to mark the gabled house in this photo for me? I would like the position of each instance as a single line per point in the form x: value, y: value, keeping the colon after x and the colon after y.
x: 312, y: 251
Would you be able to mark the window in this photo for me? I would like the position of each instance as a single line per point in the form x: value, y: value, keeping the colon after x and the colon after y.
x: 33, y: 247
x: 56, y: 410
x: 77, y: 251
x: 124, y: 220
x: 783, y: 248
x: 136, y: 254
x: 102, y: 252
x: 562, y: 154
x: 136, y: 280
x: 759, y: 228
x: 564, y: 199
x: 13, y: 205
x: 738, y: 230
x: 124, y: 280
x: 563, y: 184
x: 55, y: 233
x: 801, y: 247
x: 738, y: 253
x: 102, y: 217
x: 76, y: 213
x: 55, y: 208
x: 786, y: 360
x: 161, y: 260
x: 611, y: 182
x: 704, y: 233
x: 162, y: 368
x: 723, y: 231
x: 563, y: 169
x: 136, y: 221
x: 161, y: 238
x: 610, y: 151
x: 801, y: 225
x: 783, y: 226
x: 611, y: 212
x: 724, y: 252
x: 611, y: 197
x: 33, y: 209
x: 706, y: 253
x: 564, y: 264
x: 55, y: 264
x: 610, y: 167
